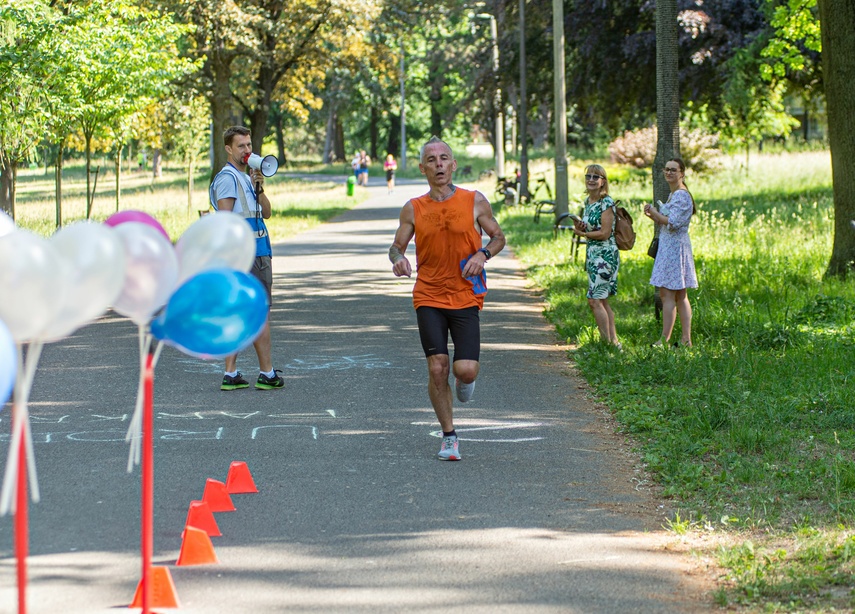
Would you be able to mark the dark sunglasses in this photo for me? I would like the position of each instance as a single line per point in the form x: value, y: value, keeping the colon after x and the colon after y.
x: 592, y: 177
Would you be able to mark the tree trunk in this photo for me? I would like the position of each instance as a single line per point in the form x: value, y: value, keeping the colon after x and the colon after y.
x: 667, y: 95
x: 329, y: 154
x: 89, y: 198
x: 373, y: 132
x: 157, y: 164
x: 539, y: 127
x: 280, y: 142
x: 119, y: 175
x: 393, y: 142
x: 8, y: 180
x: 435, y: 96
x: 58, y: 182
x: 221, y: 109
x: 190, y: 160
x: 436, y: 121
x: 258, y: 125
x: 838, y: 72
x: 338, y: 143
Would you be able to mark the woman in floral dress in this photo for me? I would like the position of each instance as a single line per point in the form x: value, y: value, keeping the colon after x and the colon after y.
x: 674, y: 266
x: 597, y: 226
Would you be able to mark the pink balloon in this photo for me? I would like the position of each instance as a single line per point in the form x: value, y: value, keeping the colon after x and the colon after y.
x: 136, y: 216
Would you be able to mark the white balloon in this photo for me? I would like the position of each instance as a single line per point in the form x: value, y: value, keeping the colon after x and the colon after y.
x: 7, y: 224
x: 94, y: 259
x: 32, y: 284
x: 219, y: 240
x: 151, y: 272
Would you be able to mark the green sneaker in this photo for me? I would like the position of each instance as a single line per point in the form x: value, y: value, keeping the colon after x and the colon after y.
x: 234, y: 383
x: 269, y: 383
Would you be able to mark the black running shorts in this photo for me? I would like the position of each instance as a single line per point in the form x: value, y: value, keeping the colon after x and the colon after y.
x: 463, y: 324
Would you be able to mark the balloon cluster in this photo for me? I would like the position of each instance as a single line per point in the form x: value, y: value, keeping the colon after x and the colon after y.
x: 206, y: 303
x: 54, y: 286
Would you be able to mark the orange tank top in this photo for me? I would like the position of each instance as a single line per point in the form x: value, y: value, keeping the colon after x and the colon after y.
x: 445, y: 235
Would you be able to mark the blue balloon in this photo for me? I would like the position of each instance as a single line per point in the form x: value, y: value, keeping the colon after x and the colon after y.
x: 8, y: 363
x: 213, y: 314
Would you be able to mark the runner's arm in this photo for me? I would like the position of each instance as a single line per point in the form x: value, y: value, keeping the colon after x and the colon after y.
x: 406, y: 229
x: 485, y: 219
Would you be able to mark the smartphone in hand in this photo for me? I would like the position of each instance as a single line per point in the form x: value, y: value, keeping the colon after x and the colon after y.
x: 575, y: 218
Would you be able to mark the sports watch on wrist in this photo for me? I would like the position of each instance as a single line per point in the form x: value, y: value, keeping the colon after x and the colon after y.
x: 486, y: 252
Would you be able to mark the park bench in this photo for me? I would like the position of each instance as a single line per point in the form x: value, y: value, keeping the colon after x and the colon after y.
x: 564, y: 223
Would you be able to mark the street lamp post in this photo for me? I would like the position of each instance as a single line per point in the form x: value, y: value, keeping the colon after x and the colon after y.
x: 561, y: 195
x: 523, y: 133
x: 497, y: 98
x: 403, y: 164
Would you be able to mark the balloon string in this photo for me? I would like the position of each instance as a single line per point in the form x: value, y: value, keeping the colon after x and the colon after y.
x: 135, y: 427
x: 134, y: 434
x: 21, y: 431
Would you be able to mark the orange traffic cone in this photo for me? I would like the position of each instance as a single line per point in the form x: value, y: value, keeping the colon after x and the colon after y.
x: 163, y: 593
x: 196, y: 548
x: 239, y: 480
x: 217, y: 497
x: 199, y: 516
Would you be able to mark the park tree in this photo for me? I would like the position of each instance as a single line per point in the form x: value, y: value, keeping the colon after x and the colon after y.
x: 838, y: 68
x: 258, y: 52
x: 667, y: 94
x: 612, y: 51
x: 753, y: 107
x: 131, y: 60
x: 28, y: 86
x: 186, y: 128
x: 803, y: 28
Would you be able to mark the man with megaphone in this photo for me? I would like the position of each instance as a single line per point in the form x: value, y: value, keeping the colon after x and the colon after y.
x: 239, y: 187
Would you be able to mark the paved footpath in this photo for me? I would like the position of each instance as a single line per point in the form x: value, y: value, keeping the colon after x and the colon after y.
x: 354, y: 514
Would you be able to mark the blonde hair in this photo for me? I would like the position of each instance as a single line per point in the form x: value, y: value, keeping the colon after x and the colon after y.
x: 599, y: 170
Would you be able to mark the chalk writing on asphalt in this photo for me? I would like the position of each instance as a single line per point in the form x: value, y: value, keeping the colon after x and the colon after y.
x: 491, y: 431
x: 333, y: 363
x: 306, y: 363
x: 170, y: 427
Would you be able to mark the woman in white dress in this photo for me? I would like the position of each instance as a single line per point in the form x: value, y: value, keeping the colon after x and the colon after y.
x: 674, y: 266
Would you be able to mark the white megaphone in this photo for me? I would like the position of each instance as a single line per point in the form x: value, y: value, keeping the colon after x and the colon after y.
x: 268, y: 165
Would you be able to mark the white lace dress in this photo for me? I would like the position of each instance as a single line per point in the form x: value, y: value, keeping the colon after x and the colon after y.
x: 674, y: 266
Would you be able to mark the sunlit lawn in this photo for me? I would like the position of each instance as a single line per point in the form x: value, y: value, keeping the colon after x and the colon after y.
x: 297, y: 205
x: 753, y: 429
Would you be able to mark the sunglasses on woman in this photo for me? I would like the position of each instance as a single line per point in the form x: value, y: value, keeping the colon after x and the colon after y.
x: 592, y: 177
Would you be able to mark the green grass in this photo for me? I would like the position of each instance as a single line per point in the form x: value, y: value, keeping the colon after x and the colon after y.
x: 297, y: 205
x: 752, y: 429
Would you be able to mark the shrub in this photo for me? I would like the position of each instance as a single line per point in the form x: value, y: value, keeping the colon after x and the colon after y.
x: 699, y: 149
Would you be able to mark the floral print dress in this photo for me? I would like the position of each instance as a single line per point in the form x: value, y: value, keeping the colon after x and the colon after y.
x: 602, y: 257
x: 674, y: 266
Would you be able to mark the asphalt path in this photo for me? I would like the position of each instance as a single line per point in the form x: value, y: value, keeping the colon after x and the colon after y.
x: 547, y: 511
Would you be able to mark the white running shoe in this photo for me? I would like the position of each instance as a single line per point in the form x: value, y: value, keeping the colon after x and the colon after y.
x: 464, y: 391
x: 450, y: 449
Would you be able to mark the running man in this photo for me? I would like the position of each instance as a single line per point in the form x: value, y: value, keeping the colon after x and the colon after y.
x: 447, y: 223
